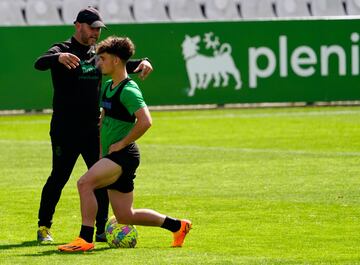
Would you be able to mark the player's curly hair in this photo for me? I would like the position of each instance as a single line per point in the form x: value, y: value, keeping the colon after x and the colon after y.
x: 122, y: 47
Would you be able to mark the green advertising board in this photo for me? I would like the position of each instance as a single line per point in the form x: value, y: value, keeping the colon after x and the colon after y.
x: 207, y: 62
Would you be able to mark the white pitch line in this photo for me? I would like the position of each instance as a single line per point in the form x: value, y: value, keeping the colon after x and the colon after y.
x: 260, y: 115
x: 224, y: 115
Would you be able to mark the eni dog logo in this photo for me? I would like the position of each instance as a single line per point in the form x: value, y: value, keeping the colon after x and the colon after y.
x: 204, y: 70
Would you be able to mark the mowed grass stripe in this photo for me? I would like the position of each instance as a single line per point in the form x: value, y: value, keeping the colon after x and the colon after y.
x: 208, y: 148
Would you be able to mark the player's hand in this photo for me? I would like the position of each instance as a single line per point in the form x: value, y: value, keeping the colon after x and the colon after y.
x: 115, y: 147
x: 70, y: 60
x: 145, y: 68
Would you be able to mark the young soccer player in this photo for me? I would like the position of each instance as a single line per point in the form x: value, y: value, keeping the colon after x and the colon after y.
x: 125, y: 119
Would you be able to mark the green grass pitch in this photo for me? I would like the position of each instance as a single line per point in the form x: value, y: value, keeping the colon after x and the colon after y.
x: 262, y: 186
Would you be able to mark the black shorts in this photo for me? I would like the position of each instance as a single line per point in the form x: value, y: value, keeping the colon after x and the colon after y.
x: 129, y: 159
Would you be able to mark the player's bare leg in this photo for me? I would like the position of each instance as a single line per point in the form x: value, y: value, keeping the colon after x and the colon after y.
x: 122, y: 204
x: 100, y: 175
x: 125, y: 214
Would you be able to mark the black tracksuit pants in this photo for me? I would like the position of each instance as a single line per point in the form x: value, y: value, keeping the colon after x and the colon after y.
x: 65, y: 152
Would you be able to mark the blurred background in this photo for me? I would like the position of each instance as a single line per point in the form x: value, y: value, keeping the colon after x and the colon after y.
x: 204, y: 52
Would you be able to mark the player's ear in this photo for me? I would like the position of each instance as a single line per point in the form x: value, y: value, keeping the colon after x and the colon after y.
x: 117, y: 60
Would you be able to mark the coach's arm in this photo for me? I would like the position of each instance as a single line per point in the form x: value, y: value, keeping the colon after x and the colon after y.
x: 52, y: 58
x: 48, y: 59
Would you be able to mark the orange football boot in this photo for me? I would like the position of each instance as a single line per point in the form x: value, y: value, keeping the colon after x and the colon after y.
x: 78, y: 244
x: 179, y: 236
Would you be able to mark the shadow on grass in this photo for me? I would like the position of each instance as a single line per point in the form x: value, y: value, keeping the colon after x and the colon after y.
x: 46, y: 252
x: 55, y: 251
x: 24, y: 244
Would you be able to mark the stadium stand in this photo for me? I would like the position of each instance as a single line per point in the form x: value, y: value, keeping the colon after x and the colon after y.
x: 116, y: 11
x: 185, y: 10
x: 43, y: 12
x: 327, y: 8
x: 292, y: 8
x: 70, y: 8
x: 353, y: 7
x: 221, y: 10
x: 56, y: 12
x: 150, y: 11
x: 256, y: 9
x: 11, y: 13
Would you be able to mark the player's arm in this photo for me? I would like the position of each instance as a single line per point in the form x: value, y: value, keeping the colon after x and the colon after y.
x: 141, y: 66
x: 143, y: 123
x: 102, y: 114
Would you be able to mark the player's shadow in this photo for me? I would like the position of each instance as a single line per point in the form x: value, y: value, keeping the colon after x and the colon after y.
x: 24, y: 244
x: 57, y: 252
x: 47, y: 252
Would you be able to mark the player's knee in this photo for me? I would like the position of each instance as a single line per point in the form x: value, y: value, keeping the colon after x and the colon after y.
x: 83, y: 185
x: 80, y: 185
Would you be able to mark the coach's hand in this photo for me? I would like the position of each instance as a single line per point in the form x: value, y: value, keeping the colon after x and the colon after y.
x: 145, y: 68
x: 70, y: 60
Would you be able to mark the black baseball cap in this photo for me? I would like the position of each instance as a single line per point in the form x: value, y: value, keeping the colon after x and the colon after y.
x: 91, y: 17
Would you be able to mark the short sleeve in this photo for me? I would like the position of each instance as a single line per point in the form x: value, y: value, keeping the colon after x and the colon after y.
x: 132, y: 98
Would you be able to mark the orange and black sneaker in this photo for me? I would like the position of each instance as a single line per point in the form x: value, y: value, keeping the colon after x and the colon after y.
x: 78, y: 244
x: 180, y: 235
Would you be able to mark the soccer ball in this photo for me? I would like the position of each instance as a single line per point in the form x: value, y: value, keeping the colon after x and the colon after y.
x: 119, y: 235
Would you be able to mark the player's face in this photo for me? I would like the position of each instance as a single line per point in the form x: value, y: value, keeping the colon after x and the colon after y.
x: 107, y: 63
x: 89, y: 35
